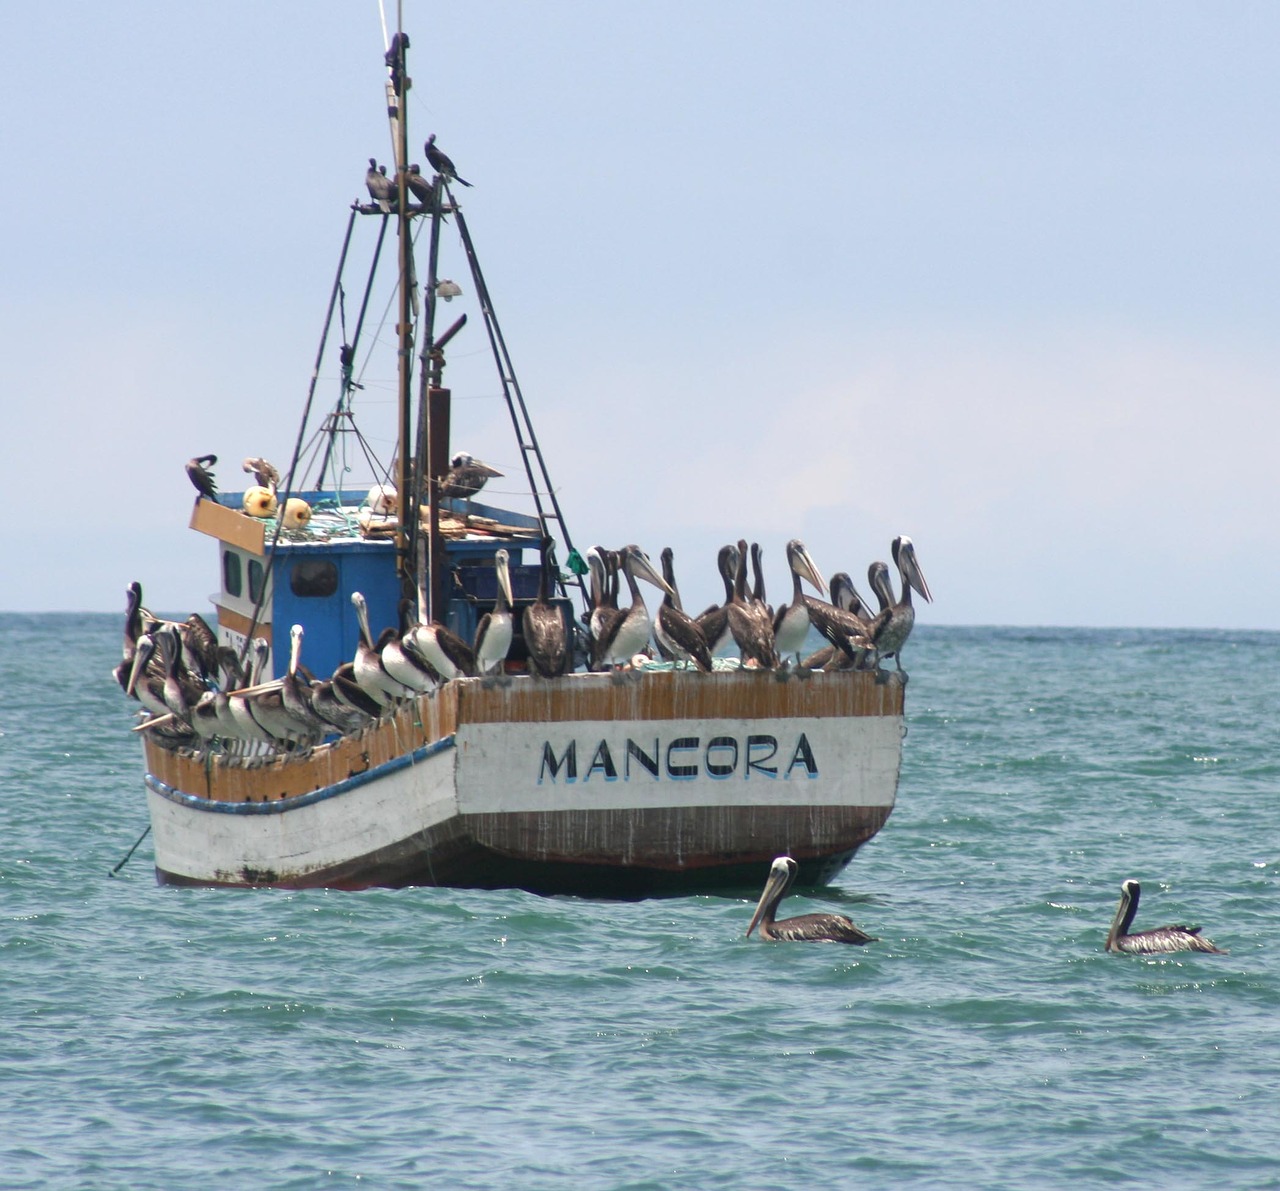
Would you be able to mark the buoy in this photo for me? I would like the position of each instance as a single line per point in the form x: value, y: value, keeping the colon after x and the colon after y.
x: 260, y: 502
x: 296, y: 513
x: 382, y: 498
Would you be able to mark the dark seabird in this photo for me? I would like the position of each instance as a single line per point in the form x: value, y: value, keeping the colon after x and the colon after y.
x: 1158, y: 941
x: 808, y: 928
x: 465, y: 477
x: 542, y: 625
x: 419, y: 187
x: 496, y: 628
x: 381, y: 189
x: 441, y: 163
x: 603, y: 565
x: 678, y: 636
x: 199, y: 474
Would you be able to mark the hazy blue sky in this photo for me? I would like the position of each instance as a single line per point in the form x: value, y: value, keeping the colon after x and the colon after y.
x: 1003, y: 277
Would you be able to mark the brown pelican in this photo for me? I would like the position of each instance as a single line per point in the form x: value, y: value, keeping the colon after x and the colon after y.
x: 628, y: 633
x: 296, y: 693
x: 381, y: 189
x: 714, y: 622
x: 342, y: 701
x: 543, y: 627
x: 791, y: 623
x: 749, y: 622
x: 419, y: 187
x: 180, y: 690
x: 265, y: 474
x: 494, y: 632
x: 808, y: 928
x: 201, y: 477
x: 678, y: 636
x: 240, y: 703
x: 132, y: 631
x: 604, y: 599
x: 465, y: 477
x: 1151, y: 942
x: 371, y: 674
x: 403, y: 662
x: 447, y: 653
x: 891, y: 628
x: 757, y: 586
x: 146, y: 682
x: 441, y: 163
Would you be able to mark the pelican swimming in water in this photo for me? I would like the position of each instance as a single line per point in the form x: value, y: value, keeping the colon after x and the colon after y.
x: 542, y: 625
x: 1158, y: 941
x: 628, y: 633
x: 889, y: 631
x: 678, y: 636
x: 791, y: 622
x: 496, y: 628
x: 808, y: 928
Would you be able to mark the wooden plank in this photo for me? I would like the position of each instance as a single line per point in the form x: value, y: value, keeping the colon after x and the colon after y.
x: 228, y: 525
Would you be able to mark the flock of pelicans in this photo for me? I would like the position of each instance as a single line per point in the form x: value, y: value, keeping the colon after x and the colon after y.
x: 200, y: 695
x: 836, y: 928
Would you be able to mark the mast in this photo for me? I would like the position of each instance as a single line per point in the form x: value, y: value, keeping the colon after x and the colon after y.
x: 398, y: 84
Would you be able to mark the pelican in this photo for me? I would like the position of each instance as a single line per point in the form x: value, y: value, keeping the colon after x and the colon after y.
x: 808, y: 928
x: 749, y: 622
x: 447, y: 653
x: 494, y: 632
x: 465, y: 477
x: 890, y: 630
x: 146, y: 682
x: 604, y: 599
x: 757, y: 586
x: 678, y: 636
x: 403, y: 662
x: 265, y: 475
x: 628, y: 633
x: 132, y: 631
x: 543, y: 627
x: 201, y: 477
x: 297, y: 695
x: 714, y: 622
x: 240, y: 705
x: 1151, y: 942
x: 440, y: 162
x: 381, y: 189
x: 371, y: 674
x: 180, y: 690
x: 791, y: 623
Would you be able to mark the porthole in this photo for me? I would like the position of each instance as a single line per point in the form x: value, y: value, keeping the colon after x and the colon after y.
x: 314, y: 578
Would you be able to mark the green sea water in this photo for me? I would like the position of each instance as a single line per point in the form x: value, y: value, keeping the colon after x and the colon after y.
x: 161, y: 1038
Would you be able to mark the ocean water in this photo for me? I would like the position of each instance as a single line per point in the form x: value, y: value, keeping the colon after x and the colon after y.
x: 159, y: 1038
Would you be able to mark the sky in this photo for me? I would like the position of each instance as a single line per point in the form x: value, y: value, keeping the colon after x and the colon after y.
x: 1002, y: 277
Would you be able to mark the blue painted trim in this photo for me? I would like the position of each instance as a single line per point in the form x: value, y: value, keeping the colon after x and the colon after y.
x: 281, y: 805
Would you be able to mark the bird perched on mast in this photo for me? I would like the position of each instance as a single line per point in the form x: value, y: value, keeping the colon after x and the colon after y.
x: 381, y: 188
x: 440, y: 162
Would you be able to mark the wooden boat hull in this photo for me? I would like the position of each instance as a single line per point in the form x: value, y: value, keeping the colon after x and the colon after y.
x: 607, y: 785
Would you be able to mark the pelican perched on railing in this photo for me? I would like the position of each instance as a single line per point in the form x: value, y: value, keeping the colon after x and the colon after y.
x: 714, y: 622
x: 889, y: 631
x: 678, y: 636
x: 496, y: 628
x: 749, y: 620
x: 807, y: 928
x: 543, y: 627
x: 791, y: 622
x: 628, y: 633
x: 1159, y: 940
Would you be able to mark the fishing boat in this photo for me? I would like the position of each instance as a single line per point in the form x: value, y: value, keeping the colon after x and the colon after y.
x: 631, y: 781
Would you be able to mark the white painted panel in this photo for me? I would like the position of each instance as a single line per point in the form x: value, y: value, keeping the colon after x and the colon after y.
x: 210, y: 845
x: 505, y: 768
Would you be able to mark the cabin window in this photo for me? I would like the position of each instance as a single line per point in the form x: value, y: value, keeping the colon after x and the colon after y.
x: 232, y: 581
x: 316, y: 577
x: 257, y: 580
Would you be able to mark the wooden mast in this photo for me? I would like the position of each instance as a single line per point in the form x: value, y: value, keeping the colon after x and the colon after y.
x: 398, y: 84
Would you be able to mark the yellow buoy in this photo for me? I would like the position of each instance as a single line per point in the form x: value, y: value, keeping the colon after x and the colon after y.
x: 260, y: 502
x: 296, y: 513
